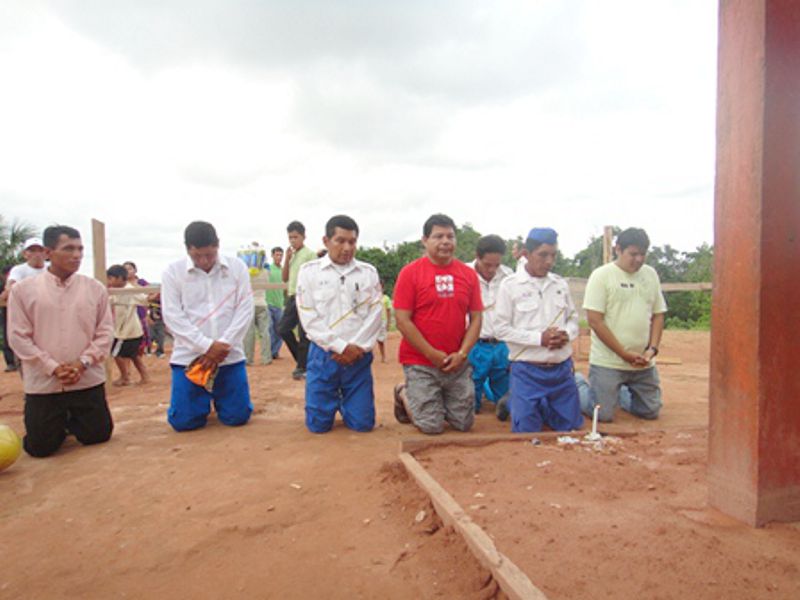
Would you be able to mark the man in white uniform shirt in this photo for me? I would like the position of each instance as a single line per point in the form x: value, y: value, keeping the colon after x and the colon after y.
x: 207, y: 304
x: 489, y: 356
x: 536, y: 317
x: 339, y: 303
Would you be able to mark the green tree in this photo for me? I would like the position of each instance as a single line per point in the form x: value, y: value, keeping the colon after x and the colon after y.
x: 12, y: 235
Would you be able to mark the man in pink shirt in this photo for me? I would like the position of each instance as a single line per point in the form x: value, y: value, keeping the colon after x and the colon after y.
x: 60, y: 327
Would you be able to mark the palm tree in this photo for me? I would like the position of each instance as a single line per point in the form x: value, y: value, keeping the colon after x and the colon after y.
x: 12, y: 235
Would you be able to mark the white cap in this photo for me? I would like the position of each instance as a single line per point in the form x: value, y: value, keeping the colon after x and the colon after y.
x: 32, y: 242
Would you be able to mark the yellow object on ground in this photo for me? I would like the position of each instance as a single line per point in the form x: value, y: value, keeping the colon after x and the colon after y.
x: 10, y: 446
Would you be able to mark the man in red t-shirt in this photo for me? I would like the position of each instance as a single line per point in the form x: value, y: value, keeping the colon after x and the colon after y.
x: 432, y: 298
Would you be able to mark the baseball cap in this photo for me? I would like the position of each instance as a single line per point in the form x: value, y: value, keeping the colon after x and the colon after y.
x: 34, y: 241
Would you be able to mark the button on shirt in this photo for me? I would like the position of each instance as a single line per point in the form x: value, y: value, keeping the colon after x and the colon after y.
x: 339, y: 304
x: 526, y: 306
x: 51, y: 322
x: 200, y: 308
x: 489, y: 290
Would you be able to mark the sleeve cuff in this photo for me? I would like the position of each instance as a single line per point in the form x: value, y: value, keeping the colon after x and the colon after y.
x: 338, y: 346
x: 50, y: 366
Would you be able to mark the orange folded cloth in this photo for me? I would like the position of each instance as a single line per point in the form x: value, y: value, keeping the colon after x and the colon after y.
x: 204, y: 377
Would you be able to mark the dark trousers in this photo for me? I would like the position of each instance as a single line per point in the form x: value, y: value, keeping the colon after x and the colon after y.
x: 290, y: 320
x: 7, y: 353
x: 157, y: 332
x: 49, y: 417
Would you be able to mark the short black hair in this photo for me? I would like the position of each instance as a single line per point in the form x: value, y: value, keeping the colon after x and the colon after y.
x: 276, y: 249
x: 490, y: 244
x: 53, y: 233
x: 200, y: 234
x: 437, y: 219
x: 117, y: 271
x: 131, y: 263
x: 296, y: 226
x: 633, y: 236
x: 342, y: 222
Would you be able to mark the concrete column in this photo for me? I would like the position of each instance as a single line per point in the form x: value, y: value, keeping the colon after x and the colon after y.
x: 754, y: 453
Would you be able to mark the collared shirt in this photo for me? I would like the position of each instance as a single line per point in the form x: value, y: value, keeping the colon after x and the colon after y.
x: 127, y: 325
x: 299, y: 258
x: 51, y: 322
x: 521, y: 262
x: 200, y: 308
x: 526, y: 307
x: 489, y: 291
x: 275, y: 297
x: 339, y: 304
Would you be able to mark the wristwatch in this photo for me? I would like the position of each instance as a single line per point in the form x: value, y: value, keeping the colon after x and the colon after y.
x: 85, y: 362
x: 653, y: 348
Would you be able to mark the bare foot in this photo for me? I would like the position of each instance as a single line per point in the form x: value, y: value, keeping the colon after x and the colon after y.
x: 122, y: 382
x: 144, y: 380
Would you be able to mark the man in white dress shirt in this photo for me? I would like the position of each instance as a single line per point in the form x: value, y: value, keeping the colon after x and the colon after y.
x: 207, y: 304
x: 489, y: 356
x: 339, y: 303
x: 536, y: 317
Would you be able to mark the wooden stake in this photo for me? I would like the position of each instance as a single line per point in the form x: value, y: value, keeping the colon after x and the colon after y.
x: 608, y: 240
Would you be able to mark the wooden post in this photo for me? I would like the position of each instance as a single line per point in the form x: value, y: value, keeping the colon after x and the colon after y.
x: 608, y: 244
x: 99, y: 250
x: 754, y: 429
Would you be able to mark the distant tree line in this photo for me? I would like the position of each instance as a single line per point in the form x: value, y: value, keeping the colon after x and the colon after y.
x: 687, y: 310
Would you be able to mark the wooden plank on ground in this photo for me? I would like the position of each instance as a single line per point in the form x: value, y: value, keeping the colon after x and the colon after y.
x: 508, y: 576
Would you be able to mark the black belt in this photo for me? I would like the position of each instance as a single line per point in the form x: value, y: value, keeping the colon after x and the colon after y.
x: 489, y: 340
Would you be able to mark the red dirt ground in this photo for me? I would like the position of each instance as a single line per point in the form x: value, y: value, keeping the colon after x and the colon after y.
x: 267, y: 510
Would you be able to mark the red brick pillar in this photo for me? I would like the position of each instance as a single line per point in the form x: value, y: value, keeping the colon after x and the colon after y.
x: 754, y: 454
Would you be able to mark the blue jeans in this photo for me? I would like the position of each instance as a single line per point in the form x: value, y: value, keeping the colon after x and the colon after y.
x: 544, y: 396
x: 636, y: 391
x: 489, y: 371
x: 332, y: 388
x: 276, y: 342
x: 190, y: 403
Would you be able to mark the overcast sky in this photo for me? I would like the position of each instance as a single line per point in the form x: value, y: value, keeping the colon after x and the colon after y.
x: 149, y: 114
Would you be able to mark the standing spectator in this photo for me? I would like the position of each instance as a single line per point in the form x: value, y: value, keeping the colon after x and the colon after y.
x: 434, y: 297
x: 61, y: 329
x: 255, y: 260
x: 141, y: 310
x: 128, y: 330
x: 8, y: 354
x: 275, y: 300
x: 338, y: 299
x: 156, y: 322
x: 34, y: 255
x: 489, y: 357
x: 208, y: 305
x: 626, y: 309
x: 297, y: 254
x: 536, y: 317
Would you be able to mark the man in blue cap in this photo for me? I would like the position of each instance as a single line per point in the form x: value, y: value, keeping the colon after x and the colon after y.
x: 536, y: 317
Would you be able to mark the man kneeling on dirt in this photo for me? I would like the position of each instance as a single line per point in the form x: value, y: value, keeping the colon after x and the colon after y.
x: 625, y: 308
x: 339, y: 304
x: 432, y: 298
x: 536, y: 317
x: 61, y: 329
x: 207, y: 304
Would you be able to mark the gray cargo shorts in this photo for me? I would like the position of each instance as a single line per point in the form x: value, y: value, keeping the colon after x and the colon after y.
x: 434, y: 397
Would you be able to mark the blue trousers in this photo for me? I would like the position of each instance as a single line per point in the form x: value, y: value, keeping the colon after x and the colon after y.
x: 489, y: 371
x: 330, y: 387
x: 275, y: 340
x: 190, y: 404
x: 544, y: 396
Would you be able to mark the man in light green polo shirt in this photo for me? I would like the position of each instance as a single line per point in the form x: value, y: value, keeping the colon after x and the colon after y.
x: 297, y: 254
x: 626, y: 309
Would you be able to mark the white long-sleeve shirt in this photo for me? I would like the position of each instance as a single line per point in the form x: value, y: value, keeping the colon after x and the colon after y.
x: 339, y: 304
x: 489, y: 290
x: 200, y: 308
x: 526, y: 306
